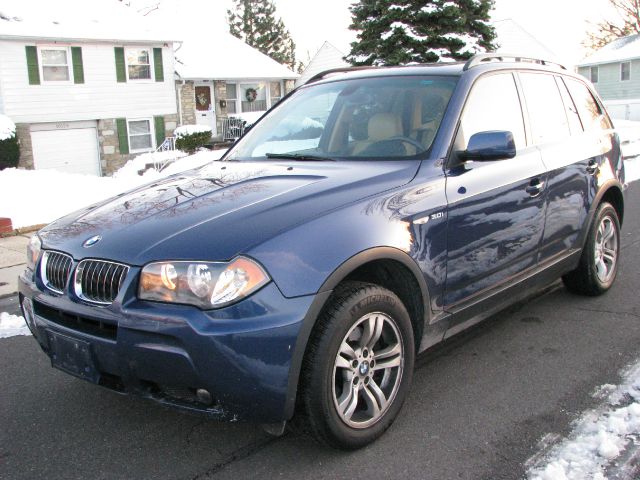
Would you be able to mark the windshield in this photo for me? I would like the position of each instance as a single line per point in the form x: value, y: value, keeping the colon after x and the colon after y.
x: 372, y: 118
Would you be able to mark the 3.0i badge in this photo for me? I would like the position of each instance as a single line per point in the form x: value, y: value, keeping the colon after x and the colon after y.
x: 91, y: 241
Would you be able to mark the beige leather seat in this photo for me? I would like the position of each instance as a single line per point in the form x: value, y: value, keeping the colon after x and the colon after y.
x: 426, y: 116
x: 381, y: 126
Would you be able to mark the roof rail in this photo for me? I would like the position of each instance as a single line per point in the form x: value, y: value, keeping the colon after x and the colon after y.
x: 326, y: 73
x: 507, y: 57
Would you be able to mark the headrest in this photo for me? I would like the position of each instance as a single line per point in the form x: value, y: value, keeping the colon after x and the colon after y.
x: 383, y: 126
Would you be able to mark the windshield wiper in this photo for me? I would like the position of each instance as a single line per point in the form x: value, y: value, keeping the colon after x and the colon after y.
x: 300, y: 156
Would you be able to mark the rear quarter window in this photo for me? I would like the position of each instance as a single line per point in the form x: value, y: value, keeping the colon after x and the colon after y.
x: 591, y: 114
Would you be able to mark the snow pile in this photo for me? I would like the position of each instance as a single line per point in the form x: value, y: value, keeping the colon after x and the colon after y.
x: 142, y: 162
x: 11, y: 325
x: 74, y: 191
x: 7, y: 128
x: 185, y: 130
x: 599, y: 437
x: 249, y: 117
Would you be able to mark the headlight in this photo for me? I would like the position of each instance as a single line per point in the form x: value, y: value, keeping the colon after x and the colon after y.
x: 33, y: 252
x: 203, y: 284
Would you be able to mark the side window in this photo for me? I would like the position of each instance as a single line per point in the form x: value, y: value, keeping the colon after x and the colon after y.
x: 591, y: 114
x: 493, y: 104
x: 569, y: 108
x: 546, y: 112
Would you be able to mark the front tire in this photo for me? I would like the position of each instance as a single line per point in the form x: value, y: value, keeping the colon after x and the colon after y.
x: 358, y: 366
x: 600, y: 257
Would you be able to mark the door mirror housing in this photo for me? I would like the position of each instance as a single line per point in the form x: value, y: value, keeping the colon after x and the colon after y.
x: 489, y: 146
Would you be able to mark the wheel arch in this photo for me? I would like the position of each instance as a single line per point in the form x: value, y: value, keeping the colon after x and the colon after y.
x: 399, y: 266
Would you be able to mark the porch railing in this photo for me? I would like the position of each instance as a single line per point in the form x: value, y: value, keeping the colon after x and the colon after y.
x: 232, y: 128
x: 169, y: 145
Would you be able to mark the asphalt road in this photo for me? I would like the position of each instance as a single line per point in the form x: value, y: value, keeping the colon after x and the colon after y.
x: 478, y: 408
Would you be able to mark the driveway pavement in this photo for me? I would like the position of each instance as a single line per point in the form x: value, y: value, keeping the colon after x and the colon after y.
x: 13, y: 251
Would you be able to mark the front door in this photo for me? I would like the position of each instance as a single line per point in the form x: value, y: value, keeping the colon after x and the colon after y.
x: 205, y: 113
x: 496, y: 209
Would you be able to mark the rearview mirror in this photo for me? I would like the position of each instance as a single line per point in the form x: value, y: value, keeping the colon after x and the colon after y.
x: 488, y: 146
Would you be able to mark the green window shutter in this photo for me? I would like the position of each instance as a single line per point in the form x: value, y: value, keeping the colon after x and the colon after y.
x: 78, y: 67
x: 157, y: 64
x: 121, y: 74
x: 159, y: 126
x: 123, y: 137
x: 32, y: 65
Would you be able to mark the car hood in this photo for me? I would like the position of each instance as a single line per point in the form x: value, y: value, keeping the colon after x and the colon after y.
x: 218, y: 211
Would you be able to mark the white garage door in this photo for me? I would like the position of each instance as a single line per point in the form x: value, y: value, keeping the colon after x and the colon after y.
x: 73, y: 150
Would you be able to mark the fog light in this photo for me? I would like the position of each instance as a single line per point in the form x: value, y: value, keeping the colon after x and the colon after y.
x: 204, y: 396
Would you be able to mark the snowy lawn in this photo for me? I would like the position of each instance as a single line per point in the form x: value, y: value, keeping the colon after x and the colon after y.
x: 33, y: 197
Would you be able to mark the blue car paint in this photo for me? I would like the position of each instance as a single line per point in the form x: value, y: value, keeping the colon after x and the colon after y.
x: 310, y: 225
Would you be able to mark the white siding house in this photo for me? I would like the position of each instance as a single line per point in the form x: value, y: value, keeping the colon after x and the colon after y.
x: 614, y: 71
x: 327, y: 58
x: 86, y: 91
x: 237, y: 81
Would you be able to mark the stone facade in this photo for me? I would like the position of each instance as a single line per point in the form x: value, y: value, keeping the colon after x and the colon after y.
x: 23, y: 133
x: 187, y: 101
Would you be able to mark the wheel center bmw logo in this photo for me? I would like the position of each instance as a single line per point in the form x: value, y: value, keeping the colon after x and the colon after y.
x: 91, y: 241
x: 364, y: 368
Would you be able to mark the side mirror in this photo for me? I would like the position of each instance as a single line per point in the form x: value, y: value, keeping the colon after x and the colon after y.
x: 488, y: 146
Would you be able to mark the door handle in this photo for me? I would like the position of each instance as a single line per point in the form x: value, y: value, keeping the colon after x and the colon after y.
x: 592, y: 167
x: 535, y: 187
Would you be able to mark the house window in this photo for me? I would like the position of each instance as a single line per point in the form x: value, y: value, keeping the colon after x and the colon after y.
x: 232, y: 93
x: 275, y: 91
x: 140, y: 135
x: 138, y: 63
x: 625, y: 71
x: 593, y: 74
x: 55, y: 64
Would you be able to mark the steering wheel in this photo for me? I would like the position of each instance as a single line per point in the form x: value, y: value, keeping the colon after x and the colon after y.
x: 401, y: 138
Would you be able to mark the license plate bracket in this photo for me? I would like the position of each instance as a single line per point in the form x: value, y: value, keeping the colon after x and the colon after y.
x: 72, y: 356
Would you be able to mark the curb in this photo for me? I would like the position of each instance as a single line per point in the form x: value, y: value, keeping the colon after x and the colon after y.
x: 23, y: 230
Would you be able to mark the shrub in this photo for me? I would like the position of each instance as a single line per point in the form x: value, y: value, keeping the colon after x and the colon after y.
x: 190, y: 138
x: 9, y: 153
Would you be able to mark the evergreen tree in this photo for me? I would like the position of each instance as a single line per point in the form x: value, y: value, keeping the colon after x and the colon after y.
x: 254, y: 22
x: 395, y: 32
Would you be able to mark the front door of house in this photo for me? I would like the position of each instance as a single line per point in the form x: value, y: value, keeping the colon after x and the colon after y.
x: 205, y: 112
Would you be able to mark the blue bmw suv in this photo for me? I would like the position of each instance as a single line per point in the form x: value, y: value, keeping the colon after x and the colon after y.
x: 370, y: 215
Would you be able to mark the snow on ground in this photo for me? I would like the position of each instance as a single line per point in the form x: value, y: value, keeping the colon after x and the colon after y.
x: 33, y: 197
x: 12, y: 325
x: 629, y: 132
x: 599, y: 436
x: 7, y: 127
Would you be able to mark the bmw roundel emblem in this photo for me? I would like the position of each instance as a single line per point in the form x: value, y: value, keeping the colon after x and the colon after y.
x: 91, y: 241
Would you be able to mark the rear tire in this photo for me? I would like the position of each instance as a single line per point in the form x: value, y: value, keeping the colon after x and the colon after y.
x: 358, y: 366
x: 600, y: 256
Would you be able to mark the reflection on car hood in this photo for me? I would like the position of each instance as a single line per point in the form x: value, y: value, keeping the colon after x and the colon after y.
x: 217, y: 212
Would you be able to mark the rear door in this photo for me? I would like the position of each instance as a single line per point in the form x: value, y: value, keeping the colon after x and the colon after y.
x: 557, y: 132
x: 496, y: 209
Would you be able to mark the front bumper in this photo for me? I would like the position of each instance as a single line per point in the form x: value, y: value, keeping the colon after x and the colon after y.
x: 247, y: 356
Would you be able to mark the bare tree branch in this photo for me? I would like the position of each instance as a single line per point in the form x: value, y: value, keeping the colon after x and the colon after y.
x: 627, y: 23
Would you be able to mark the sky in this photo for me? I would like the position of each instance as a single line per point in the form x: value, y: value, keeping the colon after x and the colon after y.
x: 559, y: 24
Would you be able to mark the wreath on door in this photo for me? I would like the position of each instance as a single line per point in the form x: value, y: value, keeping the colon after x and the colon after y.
x: 251, y: 94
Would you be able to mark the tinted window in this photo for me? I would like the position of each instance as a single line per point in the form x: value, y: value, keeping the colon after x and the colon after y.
x: 569, y: 108
x: 546, y: 110
x: 590, y: 112
x: 493, y: 104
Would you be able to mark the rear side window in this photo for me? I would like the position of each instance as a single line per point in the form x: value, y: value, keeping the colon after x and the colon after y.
x: 493, y: 104
x: 546, y: 111
x: 590, y: 112
x: 570, y: 108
